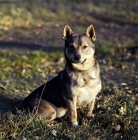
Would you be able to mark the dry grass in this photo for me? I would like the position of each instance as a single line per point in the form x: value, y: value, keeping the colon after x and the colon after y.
x: 116, y: 108
x: 25, y: 67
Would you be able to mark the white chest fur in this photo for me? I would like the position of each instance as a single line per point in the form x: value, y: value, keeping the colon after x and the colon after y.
x: 87, y: 86
x: 87, y: 94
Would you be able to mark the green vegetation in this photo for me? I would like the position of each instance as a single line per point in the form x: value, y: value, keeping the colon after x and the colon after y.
x: 26, y: 21
x: 116, y: 109
x: 24, y: 66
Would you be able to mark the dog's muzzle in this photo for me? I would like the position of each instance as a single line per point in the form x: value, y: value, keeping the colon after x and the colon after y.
x: 77, y: 57
x: 78, y: 61
x: 83, y: 61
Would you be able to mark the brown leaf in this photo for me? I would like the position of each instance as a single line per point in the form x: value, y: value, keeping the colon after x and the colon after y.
x: 123, y: 84
x: 2, y: 87
x: 23, y: 138
x: 117, y: 127
x: 137, y: 95
x: 54, y: 132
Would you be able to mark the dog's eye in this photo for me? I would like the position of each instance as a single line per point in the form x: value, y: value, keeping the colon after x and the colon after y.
x: 84, y: 47
x: 71, y: 47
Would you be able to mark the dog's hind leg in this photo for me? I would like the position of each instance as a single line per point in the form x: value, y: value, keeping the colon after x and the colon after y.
x: 46, y: 110
x: 90, y: 108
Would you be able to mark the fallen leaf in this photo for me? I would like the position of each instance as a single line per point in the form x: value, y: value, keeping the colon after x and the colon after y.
x: 116, y: 116
x: 61, y: 60
x: 137, y: 95
x: 37, y: 138
x: 2, y: 87
x: 126, y: 87
x: 123, y: 84
x: 129, y: 91
x: 27, y: 66
x: 117, y: 127
x: 53, y: 71
x: 23, y: 138
x: 122, y: 110
x: 54, y: 132
x: 123, y: 67
x: 92, y: 138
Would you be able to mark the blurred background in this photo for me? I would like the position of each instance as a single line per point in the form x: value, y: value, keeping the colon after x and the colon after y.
x: 41, y: 22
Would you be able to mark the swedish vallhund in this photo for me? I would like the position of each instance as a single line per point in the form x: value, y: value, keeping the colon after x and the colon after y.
x: 76, y: 86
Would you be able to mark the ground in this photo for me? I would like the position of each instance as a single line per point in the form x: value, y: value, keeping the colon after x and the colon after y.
x: 31, y: 52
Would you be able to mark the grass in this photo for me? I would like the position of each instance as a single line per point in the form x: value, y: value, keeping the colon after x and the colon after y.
x: 24, y: 67
x: 42, y: 20
x: 116, y: 108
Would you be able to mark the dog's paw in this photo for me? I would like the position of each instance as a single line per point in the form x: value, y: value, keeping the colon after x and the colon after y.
x: 90, y: 115
x: 75, y: 124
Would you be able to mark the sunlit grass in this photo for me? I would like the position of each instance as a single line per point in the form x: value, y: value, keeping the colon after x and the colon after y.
x: 116, y: 110
x: 23, y: 70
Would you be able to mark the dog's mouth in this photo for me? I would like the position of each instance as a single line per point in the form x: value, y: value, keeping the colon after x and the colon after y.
x: 78, y: 61
x: 83, y: 61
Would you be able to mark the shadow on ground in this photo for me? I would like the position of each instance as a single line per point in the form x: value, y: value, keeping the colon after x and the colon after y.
x: 9, y: 105
x: 29, y: 46
x: 113, y: 20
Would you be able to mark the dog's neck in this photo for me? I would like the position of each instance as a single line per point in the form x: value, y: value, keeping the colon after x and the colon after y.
x: 84, y: 73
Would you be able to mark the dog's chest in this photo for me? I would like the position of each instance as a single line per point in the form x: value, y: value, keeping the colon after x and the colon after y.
x: 86, y: 94
x: 85, y: 88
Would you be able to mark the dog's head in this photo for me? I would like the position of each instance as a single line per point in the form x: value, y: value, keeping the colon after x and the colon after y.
x: 79, y: 48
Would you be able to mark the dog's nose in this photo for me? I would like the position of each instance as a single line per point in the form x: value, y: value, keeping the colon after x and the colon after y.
x: 77, y: 57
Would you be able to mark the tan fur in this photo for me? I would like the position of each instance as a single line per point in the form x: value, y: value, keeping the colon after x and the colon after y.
x: 84, y: 94
x: 88, y: 78
x: 76, y: 86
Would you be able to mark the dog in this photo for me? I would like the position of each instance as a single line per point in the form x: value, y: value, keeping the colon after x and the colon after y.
x: 75, y: 86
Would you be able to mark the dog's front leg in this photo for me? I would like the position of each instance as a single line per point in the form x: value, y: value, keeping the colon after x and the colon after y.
x: 72, y: 111
x: 90, y: 108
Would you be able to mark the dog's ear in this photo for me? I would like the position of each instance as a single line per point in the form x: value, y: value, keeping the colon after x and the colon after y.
x: 67, y: 32
x: 90, y: 32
